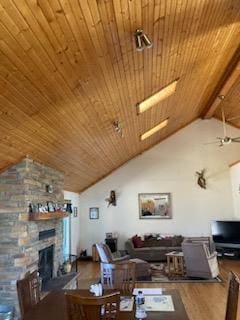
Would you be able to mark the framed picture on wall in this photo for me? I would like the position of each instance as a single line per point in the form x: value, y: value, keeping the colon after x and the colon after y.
x: 109, y: 235
x: 155, y: 206
x: 94, y: 213
x: 75, y: 211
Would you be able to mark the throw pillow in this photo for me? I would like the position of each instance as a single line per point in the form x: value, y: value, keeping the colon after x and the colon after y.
x: 137, y: 242
x: 133, y: 238
x: 177, y: 241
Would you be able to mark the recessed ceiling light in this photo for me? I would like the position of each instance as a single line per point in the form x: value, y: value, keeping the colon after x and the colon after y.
x: 157, y: 97
x: 154, y: 130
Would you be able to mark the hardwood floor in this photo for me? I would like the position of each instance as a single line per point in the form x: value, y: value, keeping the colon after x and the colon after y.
x: 203, y: 301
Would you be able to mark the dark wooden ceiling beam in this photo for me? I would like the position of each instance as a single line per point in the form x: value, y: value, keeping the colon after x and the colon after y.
x: 226, y: 82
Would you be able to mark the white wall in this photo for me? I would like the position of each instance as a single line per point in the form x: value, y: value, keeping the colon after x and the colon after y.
x: 168, y: 167
x: 235, y: 178
x: 74, y: 222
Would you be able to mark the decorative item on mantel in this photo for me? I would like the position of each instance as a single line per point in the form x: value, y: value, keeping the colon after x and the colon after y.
x: 46, y: 211
x: 49, y: 188
x: 46, y: 207
x: 68, y: 206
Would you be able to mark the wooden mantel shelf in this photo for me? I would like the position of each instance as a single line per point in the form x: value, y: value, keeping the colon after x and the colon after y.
x: 40, y: 216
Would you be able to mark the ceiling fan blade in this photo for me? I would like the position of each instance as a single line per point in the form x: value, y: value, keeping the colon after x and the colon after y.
x: 224, y: 123
x: 237, y: 139
x: 214, y: 142
x: 218, y: 140
x: 233, y: 118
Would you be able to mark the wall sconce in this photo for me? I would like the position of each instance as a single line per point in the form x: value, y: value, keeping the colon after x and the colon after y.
x: 142, y: 40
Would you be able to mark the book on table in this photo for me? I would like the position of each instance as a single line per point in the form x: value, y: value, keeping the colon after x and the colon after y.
x: 126, y: 303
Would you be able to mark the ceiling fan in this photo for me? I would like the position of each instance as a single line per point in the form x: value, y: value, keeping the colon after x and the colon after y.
x: 225, y: 139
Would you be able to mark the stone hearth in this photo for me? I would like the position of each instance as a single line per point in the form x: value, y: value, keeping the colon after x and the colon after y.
x: 20, y: 185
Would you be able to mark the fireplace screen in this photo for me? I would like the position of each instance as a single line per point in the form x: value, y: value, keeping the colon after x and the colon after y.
x: 45, y: 264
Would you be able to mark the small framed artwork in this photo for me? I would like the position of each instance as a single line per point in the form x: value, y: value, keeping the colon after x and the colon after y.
x: 109, y: 235
x: 75, y: 211
x: 94, y: 213
x: 155, y: 206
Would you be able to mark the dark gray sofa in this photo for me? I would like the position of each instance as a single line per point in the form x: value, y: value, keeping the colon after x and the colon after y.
x: 154, y: 250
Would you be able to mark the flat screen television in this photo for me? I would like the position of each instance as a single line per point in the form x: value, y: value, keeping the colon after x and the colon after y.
x: 226, y: 232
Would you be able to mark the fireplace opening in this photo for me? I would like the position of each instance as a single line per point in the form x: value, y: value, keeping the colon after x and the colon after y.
x: 45, y: 264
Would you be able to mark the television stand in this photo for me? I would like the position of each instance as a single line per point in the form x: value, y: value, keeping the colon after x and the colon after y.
x: 228, y: 251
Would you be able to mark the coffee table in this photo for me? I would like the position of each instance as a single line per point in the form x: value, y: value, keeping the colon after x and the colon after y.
x: 175, y: 263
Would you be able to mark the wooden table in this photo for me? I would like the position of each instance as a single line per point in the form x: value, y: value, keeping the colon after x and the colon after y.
x: 53, y: 307
x: 175, y: 263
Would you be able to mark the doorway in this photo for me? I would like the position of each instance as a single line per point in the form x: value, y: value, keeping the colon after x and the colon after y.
x: 67, y: 231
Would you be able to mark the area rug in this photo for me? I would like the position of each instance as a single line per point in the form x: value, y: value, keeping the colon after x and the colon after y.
x: 159, y: 274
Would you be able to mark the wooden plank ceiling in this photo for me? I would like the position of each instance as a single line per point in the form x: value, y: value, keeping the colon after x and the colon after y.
x: 69, y: 68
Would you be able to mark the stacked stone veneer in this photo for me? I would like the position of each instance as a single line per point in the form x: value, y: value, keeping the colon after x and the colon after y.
x: 19, y: 245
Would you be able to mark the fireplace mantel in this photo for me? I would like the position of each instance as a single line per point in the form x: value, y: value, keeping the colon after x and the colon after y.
x: 40, y: 216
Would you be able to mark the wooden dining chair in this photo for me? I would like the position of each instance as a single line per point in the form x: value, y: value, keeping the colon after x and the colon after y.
x: 120, y: 276
x: 232, y: 299
x: 28, y: 292
x: 93, y: 308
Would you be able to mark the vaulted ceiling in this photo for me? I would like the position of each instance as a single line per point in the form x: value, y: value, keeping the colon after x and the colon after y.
x: 69, y: 68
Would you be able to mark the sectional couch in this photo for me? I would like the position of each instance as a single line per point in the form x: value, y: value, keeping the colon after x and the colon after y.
x: 154, y: 249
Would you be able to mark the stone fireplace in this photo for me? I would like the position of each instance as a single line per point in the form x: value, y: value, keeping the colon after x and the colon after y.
x: 23, y: 242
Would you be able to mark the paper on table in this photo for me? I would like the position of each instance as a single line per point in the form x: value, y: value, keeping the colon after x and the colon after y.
x: 159, y: 303
x: 126, y: 303
x: 148, y: 291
